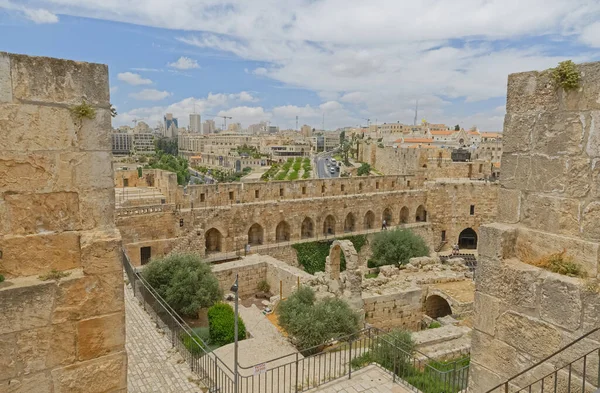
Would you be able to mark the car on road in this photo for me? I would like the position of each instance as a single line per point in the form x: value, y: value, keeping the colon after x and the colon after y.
x: 333, y: 160
x: 332, y: 171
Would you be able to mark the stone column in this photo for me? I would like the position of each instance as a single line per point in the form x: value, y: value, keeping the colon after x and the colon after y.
x: 57, y: 216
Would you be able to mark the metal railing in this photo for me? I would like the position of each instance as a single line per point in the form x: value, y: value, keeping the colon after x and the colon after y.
x: 580, y: 375
x: 295, y: 373
x: 209, y: 368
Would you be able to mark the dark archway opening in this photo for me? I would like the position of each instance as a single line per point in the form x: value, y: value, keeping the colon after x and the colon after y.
x: 213, y: 240
x: 468, y: 239
x: 437, y: 307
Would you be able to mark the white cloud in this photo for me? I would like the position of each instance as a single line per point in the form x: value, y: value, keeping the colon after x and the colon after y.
x: 40, y: 15
x: 133, y: 79
x: 150, y: 95
x: 142, y: 69
x: 184, y: 63
x: 244, y: 96
x: 245, y: 114
x: 378, y: 56
x: 114, y: 89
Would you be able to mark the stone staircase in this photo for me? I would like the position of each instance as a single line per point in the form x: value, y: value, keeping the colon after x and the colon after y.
x: 443, y: 343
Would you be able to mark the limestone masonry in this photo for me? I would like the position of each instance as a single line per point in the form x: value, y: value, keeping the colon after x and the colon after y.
x: 57, y: 215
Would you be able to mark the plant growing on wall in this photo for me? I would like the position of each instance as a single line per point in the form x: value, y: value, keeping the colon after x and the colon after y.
x: 566, y: 75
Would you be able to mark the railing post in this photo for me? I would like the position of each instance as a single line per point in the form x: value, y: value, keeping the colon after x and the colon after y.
x: 506, y: 387
x: 350, y: 361
x: 296, y: 388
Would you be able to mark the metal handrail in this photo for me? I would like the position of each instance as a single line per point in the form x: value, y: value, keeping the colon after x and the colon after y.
x: 505, y: 384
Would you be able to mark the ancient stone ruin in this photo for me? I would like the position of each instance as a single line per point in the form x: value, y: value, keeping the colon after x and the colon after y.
x: 548, y: 203
x: 62, y: 319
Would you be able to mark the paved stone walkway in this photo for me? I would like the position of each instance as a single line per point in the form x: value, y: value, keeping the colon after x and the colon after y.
x: 370, y: 379
x: 153, y: 366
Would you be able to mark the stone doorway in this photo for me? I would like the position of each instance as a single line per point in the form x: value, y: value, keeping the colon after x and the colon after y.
x: 282, y: 232
x: 436, y: 307
x: 255, y: 235
x: 307, y: 230
x: 213, y: 240
x: 329, y: 225
x: 404, y: 214
x: 468, y: 239
x: 369, y: 220
x: 421, y: 215
x: 349, y: 223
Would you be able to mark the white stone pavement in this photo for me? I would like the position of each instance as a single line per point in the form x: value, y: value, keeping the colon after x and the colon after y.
x: 153, y: 366
x: 370, y: 379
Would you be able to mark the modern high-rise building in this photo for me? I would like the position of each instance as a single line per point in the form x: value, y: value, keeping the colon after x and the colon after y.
x: 195, y: 123
x: 171, y: 125
x: 209, y: 127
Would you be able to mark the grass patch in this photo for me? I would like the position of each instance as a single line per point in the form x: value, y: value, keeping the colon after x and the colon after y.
x: 293, y: 175
x: 361, y: 361
x: 558, y: 262
x: 434, y: 325
x: 54, y: 275
x: 306, y: 174
x: 371, y: 275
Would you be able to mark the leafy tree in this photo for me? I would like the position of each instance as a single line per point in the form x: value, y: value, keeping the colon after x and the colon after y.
x: 342, y: 137
x: 457, y: 128
x: 184, y: 281
x: 171, y: 163
x: 364, y: 169
x: 346, y: 146
x: 397, y: 247
x: 221, y: 325
x: 312, y: 323
x: 166, y: 145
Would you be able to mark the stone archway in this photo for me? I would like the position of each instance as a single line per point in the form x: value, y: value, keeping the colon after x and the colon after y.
x: 468, y: 239
x: 421, y: 215
x: 436, y: 307
x: 307, y: 230
x: 329, y: 225
x: 255, y: 235
x: 404, y: 215
x: 212, y: 240
x: 387, y: 216
x: 350, y: 286
x: 369, y: 220
x: 349, y: 223
x: 282, y: 232
x: 333, y: 261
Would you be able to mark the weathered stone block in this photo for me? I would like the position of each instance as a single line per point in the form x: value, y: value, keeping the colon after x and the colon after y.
x: 38, y: 383
x: 592, y: 120
x: 509, y: 205
x: 89, y: 296
x: 587, y: 96
x: 36, y: 254
x: 96, y: 134
x: 561, y: 301
x: 99, y: 206
x: 24, y: 173
x: 100, y: 375
x: 558, y: 133
x: 42, y: 213
x: 528, y: 335
x: 515, y: 171
x: 591, y: 218
x: 482, y: 379
x: 58, y: 81
x: 5, y: 80
x: 27, y: 305
x: 485, y: 311
x: 100, y: 336
x: 518, y: 129
x: 497, y: 241
x: 591, y: 310
x: 101, y: 252
x: 551, y: 214
x: 89, y: 170
x: 511, y: 281
x: 495, y: 354
x: 537, y: 243
x: 530, y: 91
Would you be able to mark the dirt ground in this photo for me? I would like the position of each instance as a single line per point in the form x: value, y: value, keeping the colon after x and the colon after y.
x: 463, y: 291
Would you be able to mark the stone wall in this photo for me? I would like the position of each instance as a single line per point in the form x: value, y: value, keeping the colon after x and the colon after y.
x: 547, y: 203
x: 57, y: 213
x: 401, y: 309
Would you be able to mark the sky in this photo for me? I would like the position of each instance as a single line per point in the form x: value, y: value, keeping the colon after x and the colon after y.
x: 341, y: 62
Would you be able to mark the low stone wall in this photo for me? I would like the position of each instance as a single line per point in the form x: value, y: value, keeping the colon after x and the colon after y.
x: 402, y: 309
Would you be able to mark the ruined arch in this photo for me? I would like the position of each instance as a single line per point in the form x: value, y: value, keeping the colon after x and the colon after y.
x: 256, y: 235
x: 349, y: 223
x: 333, y: 261
x: 387, y: 216
x: 282, y: 232
x: 404, y: 215
x: 329, y: 225
x: 436, y: 307
x: 308, y: 228
x: 421, y: 215
x: 369, y: 220
x: 213, y: 240
x: 468, y: 239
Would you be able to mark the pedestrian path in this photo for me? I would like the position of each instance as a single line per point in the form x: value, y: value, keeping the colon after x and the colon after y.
x: 153, y: 366
x: 370, y: 379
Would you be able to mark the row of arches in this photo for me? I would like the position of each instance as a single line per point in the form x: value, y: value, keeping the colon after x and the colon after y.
x: 256, y: 233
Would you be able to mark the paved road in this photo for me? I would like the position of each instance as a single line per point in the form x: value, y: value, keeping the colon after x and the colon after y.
x: 321, y: 164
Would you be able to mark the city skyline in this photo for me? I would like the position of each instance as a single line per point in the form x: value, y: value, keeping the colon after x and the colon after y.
x: 272, y: 62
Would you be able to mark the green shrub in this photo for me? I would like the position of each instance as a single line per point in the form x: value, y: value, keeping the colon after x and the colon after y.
x: 397, y: 247
x: 361, y: 361
x: 311, y: 255
x: 364, y: 169
x: 371, y: 275
x: 221, y: 325
x: 394, y: 349
x: 434, y: 325
x: 566, y: 75
x: 313, y: 323
x: 194, y: 342
x: 1, y: 278
x: 293, y: 175
x: 306, y: 174
x: 263, y: 286
x: 185, y: 282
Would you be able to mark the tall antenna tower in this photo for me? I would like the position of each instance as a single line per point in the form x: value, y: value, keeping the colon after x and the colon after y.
x: 416, y: 113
